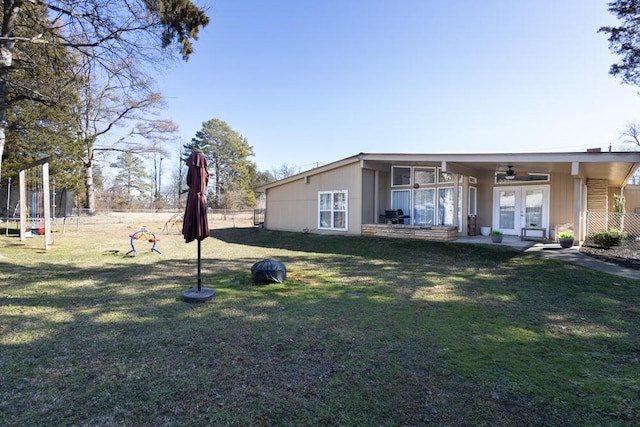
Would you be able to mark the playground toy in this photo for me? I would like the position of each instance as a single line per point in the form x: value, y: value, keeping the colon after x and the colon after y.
x: 176, y: 222
x: 143, y: 234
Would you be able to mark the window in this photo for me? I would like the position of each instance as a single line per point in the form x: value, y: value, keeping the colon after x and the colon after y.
x: 507, y: 209
x: 401, y: 199
x: 424, y: 201
x: 332, y: 210
x: 401, y: 176
x: 444, y: 177
x: 501, y: 178
x: 473, y: 201
x: 445, y: 206
x: 424, y: 175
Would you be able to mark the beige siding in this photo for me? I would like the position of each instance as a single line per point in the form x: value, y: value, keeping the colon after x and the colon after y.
x: 384, y: 192
x: 485, y: 200
x: 561, y: 201
x: 597, y: 201
x: 294, y: 206
x: 597, y: 195
x: 632, y: 196
x: 368, y: 197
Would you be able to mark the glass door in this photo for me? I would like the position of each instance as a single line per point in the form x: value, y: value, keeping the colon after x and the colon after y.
x: 506, y: 219
x: 517, y: 207
x: 533, y: 200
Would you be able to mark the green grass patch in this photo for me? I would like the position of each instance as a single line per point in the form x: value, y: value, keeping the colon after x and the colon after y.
x: 365, y: 331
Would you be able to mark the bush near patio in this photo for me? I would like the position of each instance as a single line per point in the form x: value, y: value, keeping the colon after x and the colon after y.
x: 608, y: 238
x: 365, y: 331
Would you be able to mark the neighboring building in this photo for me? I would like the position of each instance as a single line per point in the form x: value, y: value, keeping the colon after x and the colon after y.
x: 632, y: 196
x: 459, y: 193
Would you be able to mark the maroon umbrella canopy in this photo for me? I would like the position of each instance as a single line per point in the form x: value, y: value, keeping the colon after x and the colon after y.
x: 196, y: 224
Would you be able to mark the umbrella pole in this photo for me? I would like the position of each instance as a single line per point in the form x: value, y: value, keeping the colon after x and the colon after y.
x: 199, y: 278
x: 200, y: 294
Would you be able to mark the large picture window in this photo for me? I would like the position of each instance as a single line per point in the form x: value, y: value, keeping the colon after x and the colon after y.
x: 445, y: 206
x: 401, y: 199
x: 431, y: 200
x: 332, y: 210
x: 424, y: 212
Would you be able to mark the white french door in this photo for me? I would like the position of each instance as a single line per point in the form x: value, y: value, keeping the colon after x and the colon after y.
x: 522, y: 206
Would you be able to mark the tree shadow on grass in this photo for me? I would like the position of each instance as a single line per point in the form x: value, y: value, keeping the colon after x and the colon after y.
x: 375, y: 247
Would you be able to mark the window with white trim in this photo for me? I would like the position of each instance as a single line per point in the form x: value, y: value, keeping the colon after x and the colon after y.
x: 502, y: 178
x: 445, y: 206
x: 332, y: 210
x: 424, y: 206
x: 473, y: 201
x: 401, y: 175
x: 444, y: 177
x: 424, y: 175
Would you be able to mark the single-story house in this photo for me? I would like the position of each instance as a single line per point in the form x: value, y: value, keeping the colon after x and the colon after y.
x: 443, y: 196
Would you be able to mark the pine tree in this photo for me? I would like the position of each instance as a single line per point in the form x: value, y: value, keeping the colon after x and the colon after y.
x: 132, y: 183
x: 42, y: 93
x: 230, y: 169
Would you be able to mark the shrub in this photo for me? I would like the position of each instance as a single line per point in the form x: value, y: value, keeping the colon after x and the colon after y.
x: 609, y: 238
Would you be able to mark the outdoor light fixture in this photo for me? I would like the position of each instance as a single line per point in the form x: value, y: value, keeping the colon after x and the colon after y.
x: 510, y: 173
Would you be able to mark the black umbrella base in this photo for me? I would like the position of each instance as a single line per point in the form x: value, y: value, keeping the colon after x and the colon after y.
x: 192, y: 295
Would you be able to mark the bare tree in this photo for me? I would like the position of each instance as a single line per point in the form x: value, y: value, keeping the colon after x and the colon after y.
x: 631, y: 142
x: 631, y: 135
x: 120, y: 98
x: 284, y: 171
x: 105, y: 37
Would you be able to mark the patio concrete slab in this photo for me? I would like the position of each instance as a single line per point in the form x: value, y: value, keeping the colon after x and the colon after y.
x: 554, y: 251
x: 513, y: 241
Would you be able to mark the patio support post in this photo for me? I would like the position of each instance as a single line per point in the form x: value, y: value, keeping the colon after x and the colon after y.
x: 376, y: 196
x: 578, y: 214
x: 579, y: 205
x: 23, y: 206
x: 465, y: 205
x: 46, y: 204
x: 456, y: 208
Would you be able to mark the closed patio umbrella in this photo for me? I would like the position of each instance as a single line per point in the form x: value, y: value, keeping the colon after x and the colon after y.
x: 196, y: 223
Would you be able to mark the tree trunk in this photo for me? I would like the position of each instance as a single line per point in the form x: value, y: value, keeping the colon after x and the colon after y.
x: 88, y: 183
x: 6, y: 60
x: 4, y: 74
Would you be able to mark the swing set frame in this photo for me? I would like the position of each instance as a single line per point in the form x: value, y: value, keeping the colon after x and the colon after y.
x: 46, y: 202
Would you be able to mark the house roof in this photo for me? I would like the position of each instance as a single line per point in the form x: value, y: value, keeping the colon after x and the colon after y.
x: 616, y: 167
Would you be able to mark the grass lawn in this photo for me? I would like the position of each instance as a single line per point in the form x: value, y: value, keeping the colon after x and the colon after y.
x: 365, y: 332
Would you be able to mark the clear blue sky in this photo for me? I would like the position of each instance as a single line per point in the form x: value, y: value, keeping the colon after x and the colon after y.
x: 313, y: 81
